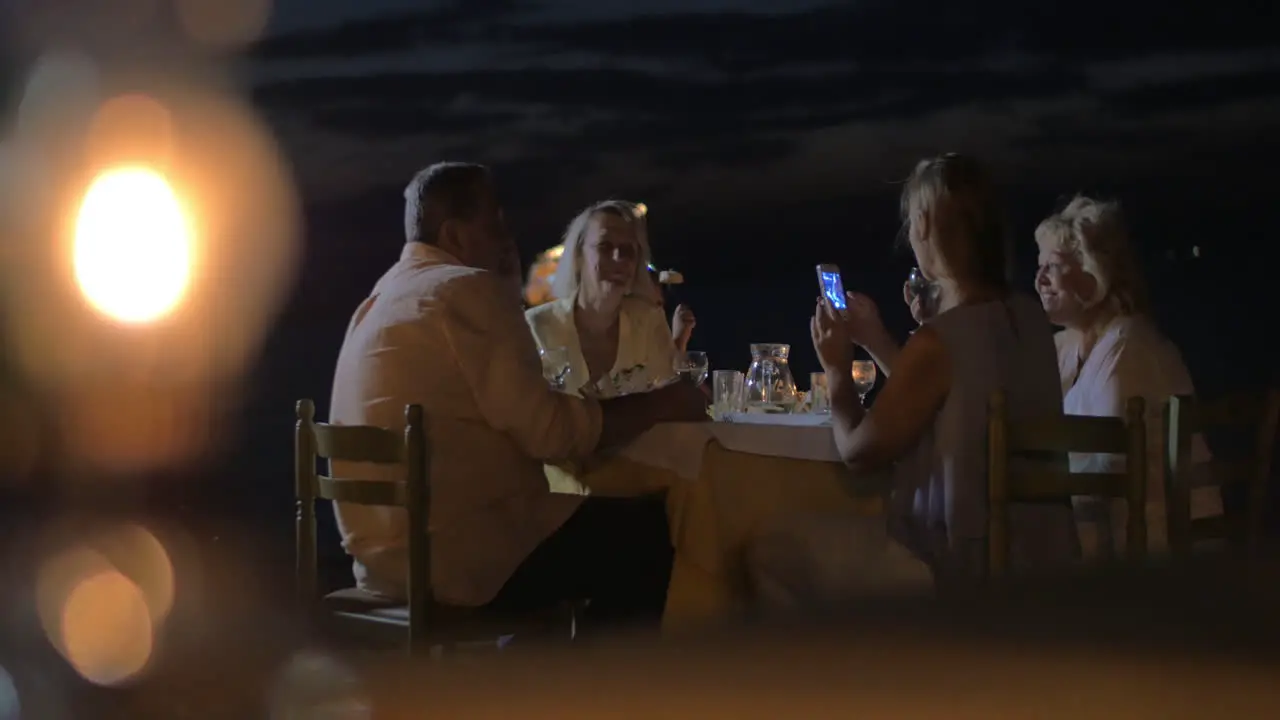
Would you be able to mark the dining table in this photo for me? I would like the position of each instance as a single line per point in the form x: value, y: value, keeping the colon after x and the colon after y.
x: 726, y: 482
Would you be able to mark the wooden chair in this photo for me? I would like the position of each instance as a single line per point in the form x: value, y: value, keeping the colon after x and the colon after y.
x: 1251, y: 418
x: 1027, y: 463
x: 420, y: 623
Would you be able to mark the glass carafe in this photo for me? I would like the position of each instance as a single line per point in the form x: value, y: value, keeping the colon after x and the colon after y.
x: 769, y: 386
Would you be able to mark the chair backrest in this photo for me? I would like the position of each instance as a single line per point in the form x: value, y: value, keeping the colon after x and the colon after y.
x: 377, y: 446
x: 1027, y: 463
x: 1252, y: 417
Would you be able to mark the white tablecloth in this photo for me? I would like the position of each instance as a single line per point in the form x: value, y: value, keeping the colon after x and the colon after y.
x: 679, y: 446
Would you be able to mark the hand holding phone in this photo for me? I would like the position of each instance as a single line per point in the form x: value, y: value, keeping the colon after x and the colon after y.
x: 831, y: 286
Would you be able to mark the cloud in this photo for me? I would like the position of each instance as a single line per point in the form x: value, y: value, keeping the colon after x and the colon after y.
x: 1194, y: 93
x: 895, y: 33
x: 680, y: 102
x: 382, y: 34
x: 295, y: 19
x: 631, y: 104
x: 872, y: 31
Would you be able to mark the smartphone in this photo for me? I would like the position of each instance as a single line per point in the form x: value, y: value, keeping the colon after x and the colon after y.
x: 831, y: 285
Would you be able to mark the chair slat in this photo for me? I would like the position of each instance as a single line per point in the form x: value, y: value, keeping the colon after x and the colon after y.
x: 1072, y: 433
x: 1249, y: 417
x: 1026, y: 462
x: 421, y: 622
x: 359, y: 443
x: 385, y: 493
x: 1047, y: 484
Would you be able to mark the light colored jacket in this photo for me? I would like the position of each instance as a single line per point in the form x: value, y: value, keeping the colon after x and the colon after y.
x: 646, y: 353
x: 646, y: 356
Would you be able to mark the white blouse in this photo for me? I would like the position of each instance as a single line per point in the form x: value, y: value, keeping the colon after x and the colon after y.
x: 1130, y: 358
x: 646, y: 357
x: 646, y: 352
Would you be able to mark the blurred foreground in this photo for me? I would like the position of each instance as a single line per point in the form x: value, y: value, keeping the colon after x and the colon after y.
x: 1199, y: 643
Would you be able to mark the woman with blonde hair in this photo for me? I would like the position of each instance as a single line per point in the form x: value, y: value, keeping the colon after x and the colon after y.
x: 927, y: 431
x: 1090, y: 283
x: 604, y: 316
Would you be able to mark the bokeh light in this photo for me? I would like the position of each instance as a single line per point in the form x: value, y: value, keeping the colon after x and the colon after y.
x: 162, y: 293
x: 103, y: 603
x: 132, y: 245
x: 130, y: 129
x: 106, y: 628
x: 137, y: 553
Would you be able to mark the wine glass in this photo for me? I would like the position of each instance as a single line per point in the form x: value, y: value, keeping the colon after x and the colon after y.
x: 555, y: 366
x: 917, y: 284
x: 692, y: 365
x: 864, y: 378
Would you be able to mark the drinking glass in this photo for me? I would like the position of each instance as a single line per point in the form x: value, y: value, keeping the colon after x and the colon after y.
x: 726, y: 393
x: 916, y: 284
x: 864, y: 377
x: 819, y: 398
x: 555, y: 366
x: 692, y: 365
x: 919, y: 287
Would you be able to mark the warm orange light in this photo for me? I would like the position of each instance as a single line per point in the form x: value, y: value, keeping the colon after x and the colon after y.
x: 133, y: 246
x: 107, y: 634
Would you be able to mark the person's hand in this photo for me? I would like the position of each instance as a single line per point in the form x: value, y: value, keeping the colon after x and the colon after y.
x: 681, y: 402
x: 862, y: 319
x: 915, y: 303
x: 830, y: 333
x: 682, y: 324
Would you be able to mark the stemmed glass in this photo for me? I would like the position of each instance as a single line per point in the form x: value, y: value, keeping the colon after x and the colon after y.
x: 864, y: 378
x: 692, y: 365
x: 918, y: 286
x: 555, y: 366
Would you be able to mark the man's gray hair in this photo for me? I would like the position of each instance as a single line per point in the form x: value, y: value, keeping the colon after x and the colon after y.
x: 443, y: 191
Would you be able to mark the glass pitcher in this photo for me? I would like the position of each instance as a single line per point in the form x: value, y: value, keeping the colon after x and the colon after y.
x: 769, y: 386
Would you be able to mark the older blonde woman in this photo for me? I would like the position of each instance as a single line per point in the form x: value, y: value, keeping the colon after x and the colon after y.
x: 1090, y: 283
x: 617, y: 339
x: 604, y: 317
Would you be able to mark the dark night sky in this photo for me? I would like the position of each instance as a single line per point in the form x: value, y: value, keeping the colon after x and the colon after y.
x: 740, y: 125
x: 749, y: 130
x: 765, y: 141
x: 720, y: 106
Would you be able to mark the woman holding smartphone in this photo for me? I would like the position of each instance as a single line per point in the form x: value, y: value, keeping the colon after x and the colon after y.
x: 928, y: 426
